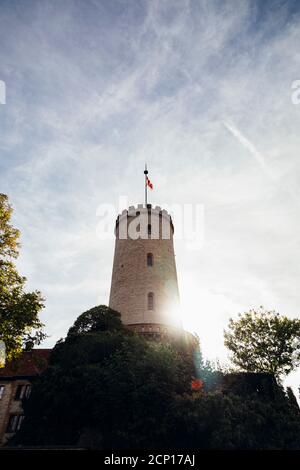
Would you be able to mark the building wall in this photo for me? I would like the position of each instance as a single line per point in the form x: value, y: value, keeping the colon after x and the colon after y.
x: 9, y: 406
x: 133, y: 279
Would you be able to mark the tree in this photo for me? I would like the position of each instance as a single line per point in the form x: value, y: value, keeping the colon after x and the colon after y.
x: 105, y: 387
x: 264, y: 341
x: 215, y: 420
x: 20, y: 327
x: 292, y: 399
x: 101, y: 318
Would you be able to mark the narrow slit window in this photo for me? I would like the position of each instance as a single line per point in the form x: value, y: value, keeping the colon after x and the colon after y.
x: 149, y: 229
x: 149, y: 259
x: 150, y: 301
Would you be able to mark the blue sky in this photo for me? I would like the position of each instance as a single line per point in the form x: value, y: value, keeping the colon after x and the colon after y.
x: 201, y: 90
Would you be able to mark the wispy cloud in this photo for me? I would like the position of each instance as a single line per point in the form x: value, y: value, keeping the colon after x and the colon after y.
x: 199, y: 90
x: 250, y: 147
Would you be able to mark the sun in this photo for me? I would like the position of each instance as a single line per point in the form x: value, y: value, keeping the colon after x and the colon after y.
x: 206, y: 313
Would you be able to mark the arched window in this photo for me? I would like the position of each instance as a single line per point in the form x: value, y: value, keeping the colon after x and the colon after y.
x: 150, y: 301
x: 149, y: 259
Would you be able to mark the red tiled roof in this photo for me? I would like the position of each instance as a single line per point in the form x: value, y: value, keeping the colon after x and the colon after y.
x: 30, y: 363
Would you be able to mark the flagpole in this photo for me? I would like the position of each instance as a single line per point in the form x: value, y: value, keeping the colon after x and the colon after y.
x: 146, y: 173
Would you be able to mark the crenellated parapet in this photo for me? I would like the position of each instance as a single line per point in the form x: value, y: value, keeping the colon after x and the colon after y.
x: 147, y: 215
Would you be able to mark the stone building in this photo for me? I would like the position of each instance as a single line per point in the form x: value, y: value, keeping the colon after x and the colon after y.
x: 15, y: 384
x: 144, y: 287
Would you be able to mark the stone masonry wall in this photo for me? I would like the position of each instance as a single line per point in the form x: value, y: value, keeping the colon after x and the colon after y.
x: 133, y: 279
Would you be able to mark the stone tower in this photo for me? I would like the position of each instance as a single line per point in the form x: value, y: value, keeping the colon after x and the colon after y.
x: 144, y: 285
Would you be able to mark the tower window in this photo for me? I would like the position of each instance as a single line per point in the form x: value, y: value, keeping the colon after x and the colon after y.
x: 149, y: 229
x: 149, y: 259
x: 150, y: 301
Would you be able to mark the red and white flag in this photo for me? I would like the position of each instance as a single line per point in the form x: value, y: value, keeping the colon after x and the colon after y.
x: 148, y: 183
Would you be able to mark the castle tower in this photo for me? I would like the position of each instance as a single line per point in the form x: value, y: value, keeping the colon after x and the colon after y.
x: 144, y: 285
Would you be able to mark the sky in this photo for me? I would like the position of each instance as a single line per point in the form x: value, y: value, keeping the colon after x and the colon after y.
x: 202, y: 92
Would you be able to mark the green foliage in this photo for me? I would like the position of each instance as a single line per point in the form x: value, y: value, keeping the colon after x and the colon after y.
x: 9, y: 235
x: 105, y: 382
x: 100, y: 318
x: 264, y: 341
x: 108, y: 388
x: 217, y: 421
x: 20, y: 326
x: 211, y: 375
x: 292, y: 399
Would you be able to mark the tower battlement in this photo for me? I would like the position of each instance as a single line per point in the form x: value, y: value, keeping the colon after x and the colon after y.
x: 145, y: 211
x: 131, y: 211
x: 155, y: 216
